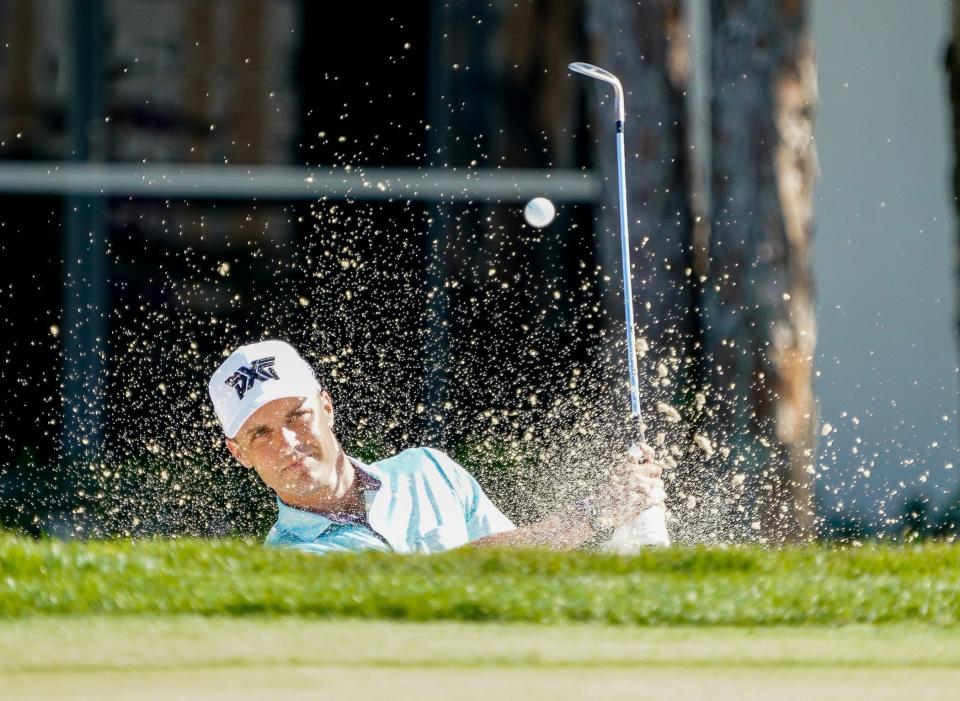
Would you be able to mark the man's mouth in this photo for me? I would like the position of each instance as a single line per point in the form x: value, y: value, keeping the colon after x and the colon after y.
x: 297, y: 464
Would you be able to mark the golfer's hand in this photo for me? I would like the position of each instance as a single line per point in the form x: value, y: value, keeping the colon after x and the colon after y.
x: 633, y: 484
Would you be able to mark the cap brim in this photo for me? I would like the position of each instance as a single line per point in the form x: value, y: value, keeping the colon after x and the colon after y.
x: 270, y: 394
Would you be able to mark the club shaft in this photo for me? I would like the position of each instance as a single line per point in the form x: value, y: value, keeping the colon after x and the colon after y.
x: 627, y: 286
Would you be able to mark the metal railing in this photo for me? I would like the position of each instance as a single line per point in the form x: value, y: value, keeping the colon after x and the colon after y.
x: 279, y: 182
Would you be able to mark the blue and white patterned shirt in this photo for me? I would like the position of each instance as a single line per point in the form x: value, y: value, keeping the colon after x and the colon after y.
x: 418, y: 501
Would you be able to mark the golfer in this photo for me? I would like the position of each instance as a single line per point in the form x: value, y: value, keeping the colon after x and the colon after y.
x: 278, y: 420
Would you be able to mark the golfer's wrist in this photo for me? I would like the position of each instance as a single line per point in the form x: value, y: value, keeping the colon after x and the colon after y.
x: 589, y: 513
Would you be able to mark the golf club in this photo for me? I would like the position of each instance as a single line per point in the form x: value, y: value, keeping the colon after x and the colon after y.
x: 650, y: 526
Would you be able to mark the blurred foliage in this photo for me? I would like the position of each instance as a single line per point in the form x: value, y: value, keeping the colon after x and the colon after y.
x: 920, y: 520
x: 21, y: 484
x: 844, y: 528
x: 206, y: 493
x: 511, y: 475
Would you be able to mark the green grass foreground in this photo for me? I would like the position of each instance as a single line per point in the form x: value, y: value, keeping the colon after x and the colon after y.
x: 741, y: 586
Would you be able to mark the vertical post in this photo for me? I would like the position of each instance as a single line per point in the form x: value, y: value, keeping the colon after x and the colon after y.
x: 84, y: 301
x: 952, y: 61
x: 436, y: 322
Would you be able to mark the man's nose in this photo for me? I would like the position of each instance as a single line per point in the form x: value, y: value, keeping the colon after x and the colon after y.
x: 290, y: 437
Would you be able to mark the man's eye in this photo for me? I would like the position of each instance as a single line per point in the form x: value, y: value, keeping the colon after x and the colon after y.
x: 259, y: 434
x: 300, y: 414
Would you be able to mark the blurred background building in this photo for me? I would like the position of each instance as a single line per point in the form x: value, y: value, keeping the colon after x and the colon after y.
x: 177, y: 178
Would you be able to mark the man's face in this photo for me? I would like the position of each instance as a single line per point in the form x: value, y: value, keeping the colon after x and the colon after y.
x: 290, y: 443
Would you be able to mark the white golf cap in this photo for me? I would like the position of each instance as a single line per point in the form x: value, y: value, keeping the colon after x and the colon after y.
x: 254, y: 375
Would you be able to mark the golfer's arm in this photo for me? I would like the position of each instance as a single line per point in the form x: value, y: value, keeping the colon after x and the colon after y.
x: 565, y: 530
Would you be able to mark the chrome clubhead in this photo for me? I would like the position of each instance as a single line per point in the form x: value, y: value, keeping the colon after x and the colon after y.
x: 591, y: 71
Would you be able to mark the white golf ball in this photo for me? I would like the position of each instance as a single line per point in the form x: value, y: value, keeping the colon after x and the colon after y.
x: 539, y: 212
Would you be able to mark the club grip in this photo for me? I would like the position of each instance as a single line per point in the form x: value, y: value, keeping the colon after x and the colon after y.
x: 649, y: 529
x: 636, y: 430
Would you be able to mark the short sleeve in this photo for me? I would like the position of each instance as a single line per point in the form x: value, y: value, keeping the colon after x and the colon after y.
x: 482, y: 517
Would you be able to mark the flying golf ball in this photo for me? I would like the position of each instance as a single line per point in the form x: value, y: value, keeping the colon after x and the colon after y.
x: 539, y: 212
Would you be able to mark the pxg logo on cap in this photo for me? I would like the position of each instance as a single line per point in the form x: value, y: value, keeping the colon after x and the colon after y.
x: 245, y: 377
x: 254, y: 375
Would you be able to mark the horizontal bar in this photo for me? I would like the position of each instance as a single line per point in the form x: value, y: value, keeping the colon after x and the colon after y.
x: 271, y: 182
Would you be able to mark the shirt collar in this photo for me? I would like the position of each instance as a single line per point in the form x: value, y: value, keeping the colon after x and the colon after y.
x: 310, y: 525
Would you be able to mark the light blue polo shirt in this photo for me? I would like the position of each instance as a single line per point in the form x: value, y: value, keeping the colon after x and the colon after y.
x: 418, y: 501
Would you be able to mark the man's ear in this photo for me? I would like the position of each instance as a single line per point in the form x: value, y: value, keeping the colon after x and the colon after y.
x: 326, y: 406
x: 237, y: 451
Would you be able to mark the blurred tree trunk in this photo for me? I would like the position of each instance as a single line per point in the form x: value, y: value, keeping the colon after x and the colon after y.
x: 760, y: 327
x: 953, y: 74
x: 645, y: 45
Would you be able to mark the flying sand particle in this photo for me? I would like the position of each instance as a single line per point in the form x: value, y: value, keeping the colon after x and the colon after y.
x: 671, y: 414
x: 703, y: 443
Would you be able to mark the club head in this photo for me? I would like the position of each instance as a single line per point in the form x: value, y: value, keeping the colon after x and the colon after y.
x: 591, y: 71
